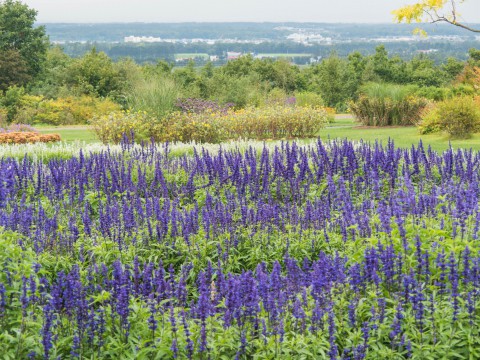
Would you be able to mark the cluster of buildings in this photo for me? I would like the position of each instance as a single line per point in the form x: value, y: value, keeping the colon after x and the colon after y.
x: 151, y: 39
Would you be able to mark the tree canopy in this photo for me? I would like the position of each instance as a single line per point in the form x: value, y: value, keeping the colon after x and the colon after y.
x: 13, y: 70
x: 433, y: 11
x: 18, y: 34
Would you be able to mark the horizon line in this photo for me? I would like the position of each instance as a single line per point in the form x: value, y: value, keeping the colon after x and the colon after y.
x: 242, y: 22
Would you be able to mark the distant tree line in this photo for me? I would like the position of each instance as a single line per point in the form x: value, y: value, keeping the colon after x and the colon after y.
x: 152, y: 52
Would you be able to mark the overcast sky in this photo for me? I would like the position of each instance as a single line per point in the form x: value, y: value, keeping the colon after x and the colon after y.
x: 362, y: 11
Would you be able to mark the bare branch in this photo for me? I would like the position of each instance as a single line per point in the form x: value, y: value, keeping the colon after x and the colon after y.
x: 438, y: 18
x: 466, y: 27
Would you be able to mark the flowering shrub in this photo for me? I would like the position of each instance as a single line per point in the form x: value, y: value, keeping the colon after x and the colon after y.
x: 3, y: 116
x: 62, y: 111
x: 69, y: 111
x: 175, y: 127
x: 27, y: 137
x: 114, y: 126
x: 274, y: 122
x: 203, y: 127
x: 470, y: 76
x: 326, y: 251
x: 198, y: 106
x: 459, y: 117
x: 309, y: 99
x: 214, y: 127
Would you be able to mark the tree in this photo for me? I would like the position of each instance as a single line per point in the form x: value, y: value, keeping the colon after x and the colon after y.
x: 95, y: 74
x: 50, y: 82
x: 332, y: 80
x: 474, y: 57
x: 13, y: 70
x: 11, y: 101
x: 433, y: 11
x: 471, y: 73
x: 453, y: 67
x: 17, y: 33
x: 388, y: 69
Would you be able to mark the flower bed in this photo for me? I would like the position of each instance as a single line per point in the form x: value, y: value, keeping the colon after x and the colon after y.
x: 326, y: 251
x: 18, y: 128
x: 27, y: 137
x: 206, y: 126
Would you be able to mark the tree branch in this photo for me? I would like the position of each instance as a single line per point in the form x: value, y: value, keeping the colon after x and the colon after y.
x: 433, y: 13
x: 453, y: 22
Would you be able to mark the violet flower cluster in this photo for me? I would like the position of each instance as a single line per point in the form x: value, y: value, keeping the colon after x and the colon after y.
x: 351, y: 249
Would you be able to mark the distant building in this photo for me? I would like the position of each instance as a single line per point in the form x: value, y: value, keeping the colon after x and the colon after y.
x: 429, y: 51
x: 214, y: 58
x: 141, y: 39
x: 233, y: 55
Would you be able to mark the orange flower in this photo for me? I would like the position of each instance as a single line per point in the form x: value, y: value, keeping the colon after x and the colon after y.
x: 27, y: 137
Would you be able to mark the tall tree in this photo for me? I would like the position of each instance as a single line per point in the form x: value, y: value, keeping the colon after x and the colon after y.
x: 433, y: 11
x: 18, y: 33
x: 13, y: 70
x: 94, y: 74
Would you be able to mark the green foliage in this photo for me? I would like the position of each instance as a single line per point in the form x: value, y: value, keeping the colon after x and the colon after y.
x: 434, y: 93
x: 474, y: 57
x: 113, y: 127
x: 187, y: 76
x: 441, y: 338
x: 278, y: 74
x: 28, y: 109
x: 204, y: 127
x: 384, y: 91
x: 453, y: 67
x: 130, y: 74
x: 463, y: 90
x: 270, y: 122
x: 246, y: 82
x: 388, y: 69
x: 11, y: 102
x: 155, y: 95
x: 333, y: 79
x: 71, y: 111
x: 459, y: 117
x: 94, y: 75
x: 241, y: 91
x: 421, y: 71
x: 17, y: 33
x: 275, y: 122
x: 50, y: 83
x: 13, y: 70
x: 309, y: 99
x: 388, y: 105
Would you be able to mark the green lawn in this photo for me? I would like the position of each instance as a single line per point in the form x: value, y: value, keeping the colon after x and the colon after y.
x: 343, y: 128
x: 70, y: 133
